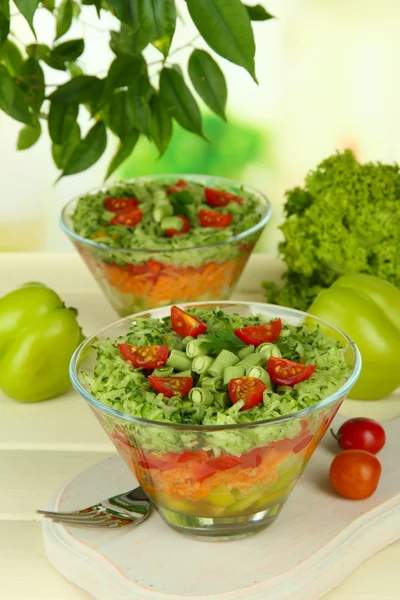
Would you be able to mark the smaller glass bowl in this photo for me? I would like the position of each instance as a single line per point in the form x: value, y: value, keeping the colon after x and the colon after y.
x: 150, y: 278
x: 200, y: 485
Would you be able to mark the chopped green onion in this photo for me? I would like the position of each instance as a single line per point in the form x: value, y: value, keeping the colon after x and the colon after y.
x: 246, y: 351
x: 199, y: 395
x: 259, y: 373
x: 171, y: 223
x: 268, y: 350
x: 187, y: 373
x: 233, y: 373
x: 162, y: 211
x: 194, y: 348
x: 214, y: 384
x: 163, y: 372
x: 222, y: 399
x: 223, y: 360
x: 201, y: 363
x: 179, y: 361
x: 252, y: 360
x: 186, y: 340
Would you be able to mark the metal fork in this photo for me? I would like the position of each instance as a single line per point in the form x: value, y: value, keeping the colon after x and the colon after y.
x: 130, y: 508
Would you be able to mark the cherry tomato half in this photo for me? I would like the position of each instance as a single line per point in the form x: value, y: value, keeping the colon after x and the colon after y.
x: 129, y: 217
x: 180, y: 185
x: 172, y: 386
x: 248, y: 389
x: 355, y: 474
x: 361, y: 434
x: 186, y: 324
x: 145, y: 357
x: 220, y: 198
x: 118, y: 204
x: 211, y: 218
x: 185, y: 227
x: 287, y: 372
x: 259, y: 334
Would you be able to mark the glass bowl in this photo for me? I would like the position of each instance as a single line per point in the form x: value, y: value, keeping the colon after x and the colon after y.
x: 200, y: 485
x: 135, y: 280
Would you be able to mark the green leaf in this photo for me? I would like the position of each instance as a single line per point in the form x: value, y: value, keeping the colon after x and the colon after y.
x: 39, y: 51
x: 12, y: 57
x: 7, y: 89
x: 179, y: 101
x: 139, y: 94
x: 64, y: 53
x: 28, y: 136
x: 126, y: 11
x: 79, y: 90
x: 222, y: 339
x: 4, y: 20
x: 124, y: 150
x: 164, y: 19
x: 31, y: 83
x: 49, y: 5
x: 27, y: 8
x: 76, y: 10
x: 88, y: 151
x: 226, y: 27
x: 64, y: 18
x: 120, y: 116
x: 122, y: 72
x: 122, y: 41
x: 74, y: 69
x: 61, y: 121
x: 62, y: 153
x: 160, y: 124
x: 208, y: 81
x: 19, y: 109
x: 258, y: 13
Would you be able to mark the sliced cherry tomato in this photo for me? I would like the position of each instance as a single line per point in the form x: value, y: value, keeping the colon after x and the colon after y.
x: 248, y: 389
x: 254, y: 458
x: 202, y: 470
x: 145, y: 357
x: 180, y: 185
x: 361, y: 434
x: 355, y: 474
x: 211, y: 218
x: 129, y: 217
x: 188, y: 456
x: 172, y: 386
x: 287, y: 372
x: 220, y: 198
x: 259, y: 334
x: 186, y: 324
x: 118, y: 204
x: 225, y: 462
x: 185, y: 227
x: 303, y: 443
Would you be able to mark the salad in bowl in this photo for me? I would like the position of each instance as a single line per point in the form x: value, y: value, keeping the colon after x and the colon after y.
x: 217, y: 408
x: 161, y: 240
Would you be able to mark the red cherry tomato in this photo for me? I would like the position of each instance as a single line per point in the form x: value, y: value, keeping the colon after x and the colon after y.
x: 118, y: 204
x: 248, y: 389
x: 129, y: 217
x: 145, y: 357
x: 185, y: 227
x: 186, y: 324
x: 220, y: 198
x: 211, y: 218
x: 259, y: 334
x: 361, y: 434
x: 180, y: 185
x: 355, y: 474
x: 172, y: 386
x: 287, y: 372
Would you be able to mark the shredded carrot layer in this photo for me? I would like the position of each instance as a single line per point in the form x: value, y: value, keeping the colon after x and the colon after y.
x: 170, y: 283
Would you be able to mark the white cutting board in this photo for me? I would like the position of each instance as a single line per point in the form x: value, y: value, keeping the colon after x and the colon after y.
x: 318, y: 539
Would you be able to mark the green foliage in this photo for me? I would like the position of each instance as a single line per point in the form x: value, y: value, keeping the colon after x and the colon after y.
x: 123, y: 101
x: 345, y: 220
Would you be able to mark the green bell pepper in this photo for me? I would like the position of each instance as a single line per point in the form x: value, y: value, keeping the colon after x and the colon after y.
x: 368, y: 310
x: 38, y: 336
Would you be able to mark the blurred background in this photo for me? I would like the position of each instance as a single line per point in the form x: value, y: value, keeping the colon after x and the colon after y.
x: 328, y: 74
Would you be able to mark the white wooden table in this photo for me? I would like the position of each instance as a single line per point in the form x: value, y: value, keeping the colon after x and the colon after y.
x: 42, y: 445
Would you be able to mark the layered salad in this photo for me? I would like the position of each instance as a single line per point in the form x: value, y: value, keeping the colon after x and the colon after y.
x: 216, y: 395
x: 158, y: 242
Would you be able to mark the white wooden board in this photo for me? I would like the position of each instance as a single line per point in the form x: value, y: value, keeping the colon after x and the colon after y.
x: 318, y: 539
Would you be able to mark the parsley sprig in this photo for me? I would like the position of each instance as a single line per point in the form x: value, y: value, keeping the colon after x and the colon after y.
x: 222, y: 339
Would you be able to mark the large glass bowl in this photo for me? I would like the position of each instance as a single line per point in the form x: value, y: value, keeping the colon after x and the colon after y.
x: 234, y: 494
x: 135, y: 280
